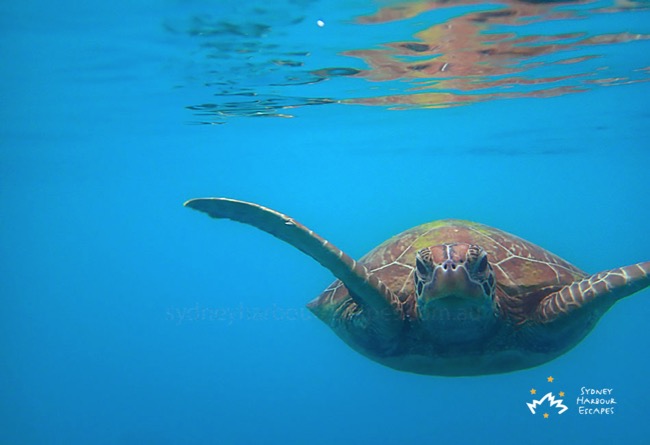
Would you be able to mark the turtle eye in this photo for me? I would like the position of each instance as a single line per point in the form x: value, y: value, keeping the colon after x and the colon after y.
x: 487, y: 288
x: 422, y: 269
x: 420, y: 287
x: 482, y: 265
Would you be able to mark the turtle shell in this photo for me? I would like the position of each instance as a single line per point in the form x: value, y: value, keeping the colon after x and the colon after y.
x: 525, y: 272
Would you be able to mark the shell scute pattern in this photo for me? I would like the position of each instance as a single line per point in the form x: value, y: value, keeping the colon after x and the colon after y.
x: 521, y: 267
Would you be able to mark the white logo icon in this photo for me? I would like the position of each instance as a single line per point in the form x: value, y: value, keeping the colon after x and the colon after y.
x: 552, y: 402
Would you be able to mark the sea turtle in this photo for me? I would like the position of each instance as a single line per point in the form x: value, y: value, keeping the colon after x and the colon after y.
x: 450, y: 297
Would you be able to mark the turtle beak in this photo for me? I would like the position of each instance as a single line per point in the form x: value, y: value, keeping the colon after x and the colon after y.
x: 450, y: 282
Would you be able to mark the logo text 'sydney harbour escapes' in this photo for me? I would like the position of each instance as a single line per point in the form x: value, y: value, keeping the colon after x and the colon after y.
x: 589, y: 401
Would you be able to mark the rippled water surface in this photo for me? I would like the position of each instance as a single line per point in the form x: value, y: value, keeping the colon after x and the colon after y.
x: 424, y: 54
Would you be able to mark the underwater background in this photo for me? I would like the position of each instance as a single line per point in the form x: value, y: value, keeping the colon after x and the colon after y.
x: 129, y: 319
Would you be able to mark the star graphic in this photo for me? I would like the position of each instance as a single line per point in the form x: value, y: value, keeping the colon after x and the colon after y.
x: 546, y: 415
x: 533, y: 391
x: 550, y: 379
x: 561, y: 393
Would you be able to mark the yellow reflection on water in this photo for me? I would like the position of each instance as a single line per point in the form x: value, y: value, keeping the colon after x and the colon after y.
x: 489, y: 54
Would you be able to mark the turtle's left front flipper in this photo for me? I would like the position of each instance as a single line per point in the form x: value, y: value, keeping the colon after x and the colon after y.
x: 602, y: 289
x: 367, y: 290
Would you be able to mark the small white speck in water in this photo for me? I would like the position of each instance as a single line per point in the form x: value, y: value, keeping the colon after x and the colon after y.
x: 320, y: 23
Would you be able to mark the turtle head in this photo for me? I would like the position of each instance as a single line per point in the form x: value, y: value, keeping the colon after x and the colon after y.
x: 455, y: 289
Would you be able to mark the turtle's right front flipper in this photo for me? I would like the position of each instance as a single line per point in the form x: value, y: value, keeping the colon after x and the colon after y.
x: 366, y: 289
x: 602, y: 289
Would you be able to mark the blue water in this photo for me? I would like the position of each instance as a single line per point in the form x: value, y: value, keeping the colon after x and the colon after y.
x: 129, y: 319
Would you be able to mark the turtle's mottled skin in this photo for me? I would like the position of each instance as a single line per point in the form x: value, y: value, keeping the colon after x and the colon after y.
x: 450, y: 297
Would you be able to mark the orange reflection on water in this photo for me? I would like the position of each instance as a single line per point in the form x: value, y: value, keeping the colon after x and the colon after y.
x: 449, y: 63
